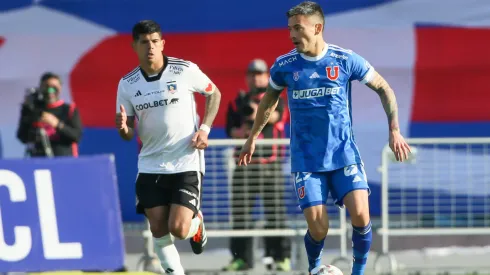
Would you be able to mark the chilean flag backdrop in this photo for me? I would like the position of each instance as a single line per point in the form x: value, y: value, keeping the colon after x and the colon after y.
x: 435, y: 54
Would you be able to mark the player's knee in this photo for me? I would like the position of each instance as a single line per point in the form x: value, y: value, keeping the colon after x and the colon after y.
x: 179, y: 229
x: 360, y: 218
x: 358, y: 206
x: 317, y: 219
x: 318, y: 229
x: 359, y: 215
x: 158, y: 229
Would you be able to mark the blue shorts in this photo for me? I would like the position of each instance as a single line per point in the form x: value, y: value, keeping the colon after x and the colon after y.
x: 313, y: 188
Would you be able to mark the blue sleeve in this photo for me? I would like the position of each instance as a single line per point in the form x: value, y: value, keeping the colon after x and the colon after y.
x: 277, y: 80
x: 360, y: 69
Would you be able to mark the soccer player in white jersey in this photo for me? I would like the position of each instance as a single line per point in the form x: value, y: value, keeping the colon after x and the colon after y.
x: 159, y: 93
x: 324, y: 155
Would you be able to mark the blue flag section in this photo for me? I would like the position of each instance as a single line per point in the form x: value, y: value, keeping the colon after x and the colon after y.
x: 60, y: 214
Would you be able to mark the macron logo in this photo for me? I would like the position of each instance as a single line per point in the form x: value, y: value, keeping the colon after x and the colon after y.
x: 137, y: 94
x: 314, y: 75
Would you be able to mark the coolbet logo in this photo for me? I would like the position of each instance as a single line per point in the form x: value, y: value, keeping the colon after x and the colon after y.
x: 156, y: 103
x: 21, y: 247
x: 316, y: 92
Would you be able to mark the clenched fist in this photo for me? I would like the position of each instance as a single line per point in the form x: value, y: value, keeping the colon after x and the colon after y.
x: 122, y: 119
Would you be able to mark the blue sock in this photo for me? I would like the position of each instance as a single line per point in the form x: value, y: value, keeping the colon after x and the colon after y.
x: 361, y: 240
x: 314, y: 250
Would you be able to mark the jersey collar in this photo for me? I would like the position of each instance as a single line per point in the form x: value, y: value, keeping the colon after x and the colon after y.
x: 159, y: 75
x: 318, y: 57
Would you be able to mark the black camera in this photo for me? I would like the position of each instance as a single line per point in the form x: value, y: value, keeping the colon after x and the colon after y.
x: 255, y: 96
x: 37, y: 100
x: 35, y: 104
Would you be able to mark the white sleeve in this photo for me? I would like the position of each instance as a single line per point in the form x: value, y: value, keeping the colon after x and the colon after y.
x: 122, y: 99
x: 200, y: 82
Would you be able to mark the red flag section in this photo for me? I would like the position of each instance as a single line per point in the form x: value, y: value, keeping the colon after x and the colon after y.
x: 222, y: 56
x: 452, y: 75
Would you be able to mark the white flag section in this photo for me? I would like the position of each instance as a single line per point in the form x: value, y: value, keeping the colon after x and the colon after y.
x: 34, y: 45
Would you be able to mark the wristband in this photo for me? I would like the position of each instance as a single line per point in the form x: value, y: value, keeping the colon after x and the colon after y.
x: 205, y: 128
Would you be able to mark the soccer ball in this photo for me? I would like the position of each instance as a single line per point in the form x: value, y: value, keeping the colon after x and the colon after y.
x: 333, y: 270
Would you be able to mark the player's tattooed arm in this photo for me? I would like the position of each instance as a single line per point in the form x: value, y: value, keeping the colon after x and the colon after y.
x: 266, y: 108
x: 212, y: 107
x: 388, y: 99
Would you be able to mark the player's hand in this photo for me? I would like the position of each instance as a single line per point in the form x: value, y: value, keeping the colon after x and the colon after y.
x: 50, y: 119
x: 200, y: 140
x: 399, y: 146
x: 122, y: 119
x: 247, y: 152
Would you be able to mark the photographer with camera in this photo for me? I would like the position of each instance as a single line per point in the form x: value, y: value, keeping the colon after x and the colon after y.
x: 49, y: 126
x: 262, y: 177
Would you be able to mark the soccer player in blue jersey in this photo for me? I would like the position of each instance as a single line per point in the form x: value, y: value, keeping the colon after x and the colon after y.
x: 324, y: 155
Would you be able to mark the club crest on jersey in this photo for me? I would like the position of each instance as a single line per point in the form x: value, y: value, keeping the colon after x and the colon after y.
x: 296, y: 76
x: 172, y: 87
x: 332, y: 72
x: 301, y: 192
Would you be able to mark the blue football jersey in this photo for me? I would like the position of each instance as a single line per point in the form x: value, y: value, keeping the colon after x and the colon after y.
x: 319, y: 99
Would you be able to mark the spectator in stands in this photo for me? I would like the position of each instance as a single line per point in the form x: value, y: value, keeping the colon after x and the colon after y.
x: 49, y: 126
x: 262, y: 177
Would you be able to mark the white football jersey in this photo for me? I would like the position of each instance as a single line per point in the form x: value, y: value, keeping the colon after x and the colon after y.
x: 166, y: 115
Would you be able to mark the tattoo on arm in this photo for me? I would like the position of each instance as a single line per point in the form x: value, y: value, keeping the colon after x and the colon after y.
x: 267, y: 106
x: 212, y: 107
x: 388, y: 99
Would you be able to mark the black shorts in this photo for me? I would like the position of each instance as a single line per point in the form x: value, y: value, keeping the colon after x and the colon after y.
x: 165, y: 189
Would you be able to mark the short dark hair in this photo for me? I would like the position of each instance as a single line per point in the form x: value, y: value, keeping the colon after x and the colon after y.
x: 49, y: 75
x: 146, y: 27
x: 307, y: 8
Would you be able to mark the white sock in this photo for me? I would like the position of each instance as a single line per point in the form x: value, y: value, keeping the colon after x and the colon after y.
x: 195, y: 223
x: 168, y: 255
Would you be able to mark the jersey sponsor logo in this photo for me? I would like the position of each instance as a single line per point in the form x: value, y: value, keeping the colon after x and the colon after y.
x: 295, y: 76
x: 138, y: 93
x: 154, y: 92
x: 156, y: 103
x: 332, y: 72
x: 287, y: 61
x: 339, y: 56
x: 177, y: 70
x: 133, y: 79
x: 316, y: 92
